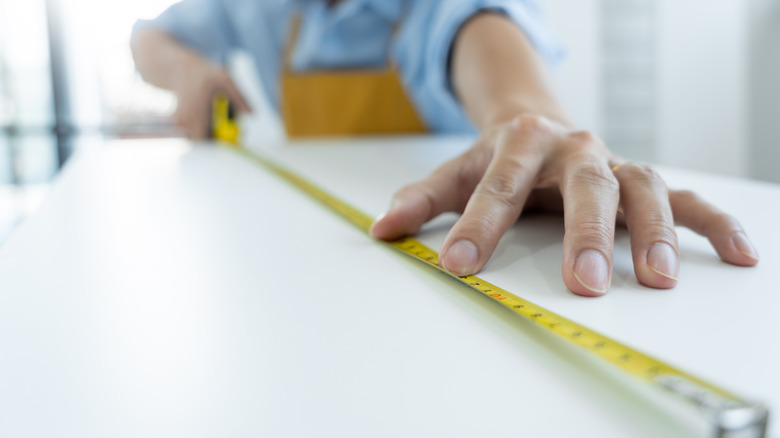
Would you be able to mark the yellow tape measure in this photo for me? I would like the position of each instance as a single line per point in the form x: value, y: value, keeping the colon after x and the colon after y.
x: 731, y: 414
x: 224, y: 126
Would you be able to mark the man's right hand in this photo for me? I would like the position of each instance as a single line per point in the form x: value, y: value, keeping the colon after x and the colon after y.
x: 195, y: 81
x: 196, y: 85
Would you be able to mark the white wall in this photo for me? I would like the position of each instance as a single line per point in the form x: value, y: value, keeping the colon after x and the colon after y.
x: 702, y: 74
x: 702, y: 82
x: 578, y: 77
x: 764, y: 83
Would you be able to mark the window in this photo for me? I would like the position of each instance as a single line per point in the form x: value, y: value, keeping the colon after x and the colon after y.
x: 66, y: 71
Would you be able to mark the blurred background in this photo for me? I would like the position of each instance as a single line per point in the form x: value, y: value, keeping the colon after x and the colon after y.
x: 686, y: 83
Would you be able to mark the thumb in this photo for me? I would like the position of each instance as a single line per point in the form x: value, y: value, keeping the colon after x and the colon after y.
x: 236, y: 97
x: 417, y: 203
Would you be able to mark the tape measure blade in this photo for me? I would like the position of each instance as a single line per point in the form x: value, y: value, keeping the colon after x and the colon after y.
x: 352, y: 214
x: 629, y: 359
x: 698, y: 391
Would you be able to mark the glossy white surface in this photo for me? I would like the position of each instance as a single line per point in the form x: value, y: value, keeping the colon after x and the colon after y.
x: 165, y: 290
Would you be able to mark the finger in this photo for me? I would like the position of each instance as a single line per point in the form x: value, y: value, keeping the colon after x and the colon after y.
x: 191, y: 122
x: 446, y: 189
x: 235, y: 96
x: 497, y: 200
x: 197, y: 125
x: 649, y: 219
x: 590, y: 200
x: 614, y: 164
x: 723, y: 231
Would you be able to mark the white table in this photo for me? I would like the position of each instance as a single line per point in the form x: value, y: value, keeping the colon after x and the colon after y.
x: 165, y: 290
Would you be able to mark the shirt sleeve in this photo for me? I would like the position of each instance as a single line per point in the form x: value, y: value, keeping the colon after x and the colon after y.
x: 433, y: 29
x: 202, y: 25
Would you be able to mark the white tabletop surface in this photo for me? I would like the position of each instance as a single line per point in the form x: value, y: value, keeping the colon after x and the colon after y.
x: 166, y: 290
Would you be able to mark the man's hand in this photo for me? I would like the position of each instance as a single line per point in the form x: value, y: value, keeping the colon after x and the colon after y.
x: 168, y: 64
x: 532, y: 161
x: 195, y: 87
x: 529, y: 155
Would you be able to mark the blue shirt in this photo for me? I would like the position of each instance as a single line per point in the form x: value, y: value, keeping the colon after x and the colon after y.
x: 355, y: 33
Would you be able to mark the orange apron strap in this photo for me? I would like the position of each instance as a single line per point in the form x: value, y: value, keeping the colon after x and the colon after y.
x: 291, y: 42
x: 343, y: 102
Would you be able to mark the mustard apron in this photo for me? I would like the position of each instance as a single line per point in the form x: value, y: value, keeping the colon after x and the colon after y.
x: 343, y: 102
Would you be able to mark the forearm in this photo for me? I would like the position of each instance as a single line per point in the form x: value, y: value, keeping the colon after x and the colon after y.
x: 497, y: 74
x: 161, y: 59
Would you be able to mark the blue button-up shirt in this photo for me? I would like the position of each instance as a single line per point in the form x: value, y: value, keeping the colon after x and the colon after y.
x: 355, y: 33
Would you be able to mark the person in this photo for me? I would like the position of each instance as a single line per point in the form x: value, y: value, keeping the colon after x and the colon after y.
x: 451, y: 66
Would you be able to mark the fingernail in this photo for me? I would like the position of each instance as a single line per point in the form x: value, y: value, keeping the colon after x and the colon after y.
x: 461, y: 258
x: 592, y: 271
x: 743, y: 245
x: 394, y: 205
x: 663, y: 260
x: 373, y: 224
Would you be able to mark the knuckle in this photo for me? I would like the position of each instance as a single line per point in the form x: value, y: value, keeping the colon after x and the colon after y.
x: 584, y: 137
x: 643, y: 173
x: 596, y: 232
x: 532, y: 124
x: 483, y: 228
x: 582, y: 144
x: 596, y: 176
x: 658, y: 225
x: 502, y: 188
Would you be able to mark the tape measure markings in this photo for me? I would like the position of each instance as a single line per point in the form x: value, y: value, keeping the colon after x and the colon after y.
x: 716, y: 401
